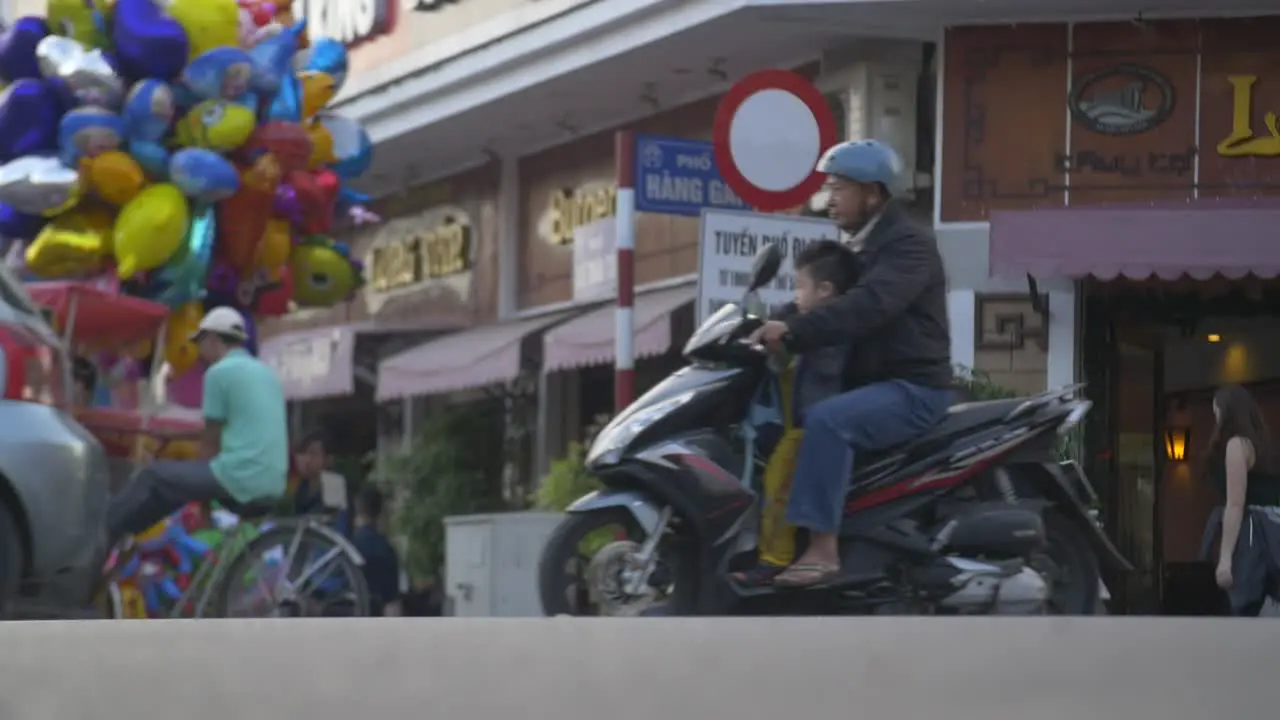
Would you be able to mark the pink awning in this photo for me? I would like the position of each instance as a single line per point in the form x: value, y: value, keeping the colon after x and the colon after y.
x: 466, y: 359
x: 314, y: 363
x: 589, y: 339
x: 1230, y: 237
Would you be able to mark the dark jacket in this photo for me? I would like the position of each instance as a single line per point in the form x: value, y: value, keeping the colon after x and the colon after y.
x: 895, y: 318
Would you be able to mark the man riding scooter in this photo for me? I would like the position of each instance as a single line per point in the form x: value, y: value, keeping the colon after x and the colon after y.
x: 898, y: 366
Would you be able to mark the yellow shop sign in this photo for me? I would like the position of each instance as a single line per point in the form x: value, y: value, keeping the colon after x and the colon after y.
x: 420, y: 255
x: 1242, y: 142
x: 572, y: 208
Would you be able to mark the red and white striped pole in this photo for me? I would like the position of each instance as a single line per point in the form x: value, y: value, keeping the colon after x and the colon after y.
x: 624, y: 372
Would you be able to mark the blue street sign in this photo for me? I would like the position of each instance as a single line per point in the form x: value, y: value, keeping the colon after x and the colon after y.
x: 680, y: 177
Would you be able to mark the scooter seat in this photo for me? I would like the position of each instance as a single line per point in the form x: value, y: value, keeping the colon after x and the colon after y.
x: 968, y: 416
x: 961, y: 418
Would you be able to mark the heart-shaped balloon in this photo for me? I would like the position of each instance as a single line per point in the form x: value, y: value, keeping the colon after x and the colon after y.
x: 148, y: 43
x: 18, y: 48
x: 318, y: 194
x: 86, y: 73
x: 38, y: 185
x: 29, y: 111
x: 287, y: 142
x: 352, y: 146
x: 273, y: 298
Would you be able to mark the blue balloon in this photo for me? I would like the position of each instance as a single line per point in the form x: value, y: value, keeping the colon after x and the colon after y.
x: 287, y: 104
x: 273, y: 59
x: 152, y: 157
x: 182, y: 279
x: 29, y: 112
x: 223, y: 73
x: 88, y: 131
x: 148, y: 43
x: 14, y: 224
x: 203, y: 175
x: 18, y: 48
x: 352, y: 146
x: 348, y: 198
x: 149, y: 109
x: 325, y: 55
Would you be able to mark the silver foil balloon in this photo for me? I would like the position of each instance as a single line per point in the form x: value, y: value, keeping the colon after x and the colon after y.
x: 86, y: 73
x: 38, y: 185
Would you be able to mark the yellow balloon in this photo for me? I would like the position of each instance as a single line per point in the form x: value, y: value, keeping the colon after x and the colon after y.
x: 318, y: 88
x: 76, y: 243
x: 275, y: 246
x: 209, y: 23
x: 74, y: 19
x: 149, y: 229
x: 114, y: 176
x: 179, y: 351
x: 155, y: 532
x: 180, y: 450
x: 321, y: 145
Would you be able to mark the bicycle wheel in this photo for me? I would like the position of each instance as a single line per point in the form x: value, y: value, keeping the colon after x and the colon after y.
x: 291, y: 570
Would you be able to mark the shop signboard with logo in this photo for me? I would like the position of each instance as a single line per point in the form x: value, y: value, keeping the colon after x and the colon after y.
x: 675, y: 176
x: 413, y: 253
x: 348, y: 21
x: 595, y: 261
x: 571, y: 208
x: 728, y: 243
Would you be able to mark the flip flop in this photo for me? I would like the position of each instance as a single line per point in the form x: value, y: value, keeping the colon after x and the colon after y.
x: 806, y: 575
x: 758, y: 576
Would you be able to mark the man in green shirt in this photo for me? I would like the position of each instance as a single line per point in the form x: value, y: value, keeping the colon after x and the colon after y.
x: 245, y: 437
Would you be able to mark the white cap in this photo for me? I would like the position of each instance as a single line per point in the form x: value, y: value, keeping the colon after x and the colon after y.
x: 225, y: 321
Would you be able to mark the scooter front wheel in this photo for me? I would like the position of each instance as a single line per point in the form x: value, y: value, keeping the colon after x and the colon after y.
x: 590, y: 558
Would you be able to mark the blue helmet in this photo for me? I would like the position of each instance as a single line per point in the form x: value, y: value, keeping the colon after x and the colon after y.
x: 864, y: 161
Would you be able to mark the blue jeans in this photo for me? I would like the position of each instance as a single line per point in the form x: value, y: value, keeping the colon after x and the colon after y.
x: 873, y: 417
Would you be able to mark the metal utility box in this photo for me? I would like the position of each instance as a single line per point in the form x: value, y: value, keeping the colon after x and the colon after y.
x: 491, y: 563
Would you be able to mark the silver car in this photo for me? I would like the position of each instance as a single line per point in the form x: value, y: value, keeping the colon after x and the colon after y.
x: 53, y: 486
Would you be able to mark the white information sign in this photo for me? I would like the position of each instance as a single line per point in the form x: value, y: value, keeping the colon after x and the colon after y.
x: 595, y: 260
x: 729, y: 241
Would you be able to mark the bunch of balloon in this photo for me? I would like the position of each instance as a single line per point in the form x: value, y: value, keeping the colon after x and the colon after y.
x: 184, y: 146
x: 166, y: 558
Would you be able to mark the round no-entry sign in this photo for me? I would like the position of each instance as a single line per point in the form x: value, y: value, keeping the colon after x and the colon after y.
x: 770, y: 129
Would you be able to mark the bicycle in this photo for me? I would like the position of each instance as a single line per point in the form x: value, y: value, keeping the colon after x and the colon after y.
x: 287, y: 565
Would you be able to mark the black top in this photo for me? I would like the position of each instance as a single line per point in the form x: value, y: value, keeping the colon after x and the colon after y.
x: 897, y: 310
x: 381, y: 567
x: 1262, y: 488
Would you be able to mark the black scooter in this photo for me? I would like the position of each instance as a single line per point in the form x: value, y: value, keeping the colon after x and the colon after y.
x: 976, y: 517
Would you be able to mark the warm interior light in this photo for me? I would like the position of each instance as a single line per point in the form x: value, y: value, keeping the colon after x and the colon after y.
x: 1213, y: 337
x: 1175, y: 443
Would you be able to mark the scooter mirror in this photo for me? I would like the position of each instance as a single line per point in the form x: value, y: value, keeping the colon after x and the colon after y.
x: 753, y: 305
x: 765, y: 266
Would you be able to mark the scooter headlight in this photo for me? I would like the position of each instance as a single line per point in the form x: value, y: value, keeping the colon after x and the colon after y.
x: 619, y: 433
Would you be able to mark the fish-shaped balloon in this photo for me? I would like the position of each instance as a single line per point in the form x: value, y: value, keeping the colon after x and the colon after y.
x: 215, y: 125
x: 87, y: 132
x: 322, y: 274
x: 223, y: 73
x: 203, y: 175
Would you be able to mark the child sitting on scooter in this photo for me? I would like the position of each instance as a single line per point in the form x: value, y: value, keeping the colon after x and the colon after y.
x: 824, y: 270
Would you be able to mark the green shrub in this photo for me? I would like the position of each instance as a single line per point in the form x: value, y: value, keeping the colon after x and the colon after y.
x: 452, y: 467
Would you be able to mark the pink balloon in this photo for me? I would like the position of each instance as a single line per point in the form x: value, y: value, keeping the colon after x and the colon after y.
x: 187, y: 389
